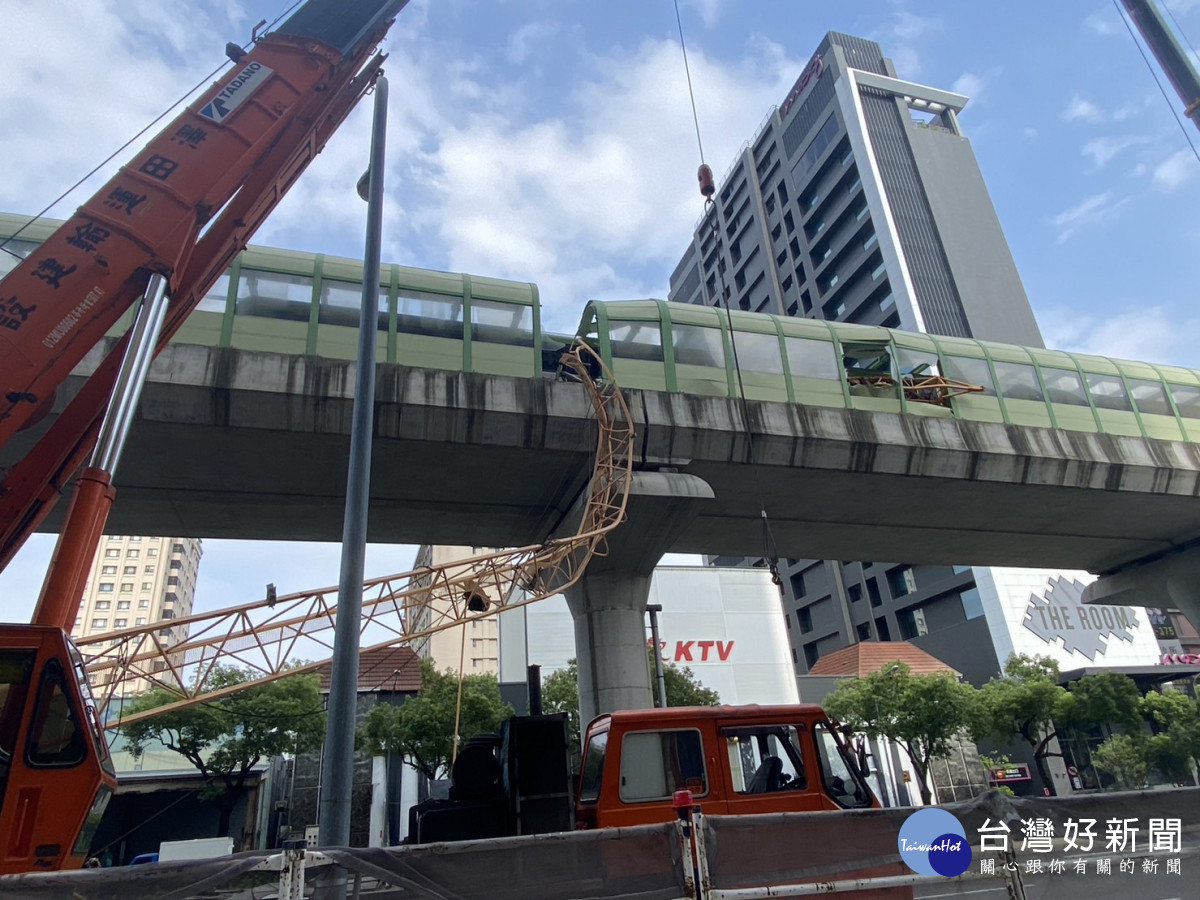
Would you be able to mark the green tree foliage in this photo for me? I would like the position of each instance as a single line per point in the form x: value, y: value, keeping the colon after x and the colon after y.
x: 421, y: 730
x: 1022, y: 705
x: 560, y: 693
x: 923, y: 713
x: 1125, y: 758
x: 226, y: 737
x: 1177, y: 747
x: 1106, y: 698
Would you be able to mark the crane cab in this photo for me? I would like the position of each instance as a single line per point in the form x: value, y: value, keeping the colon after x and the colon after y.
x: 56, y: 775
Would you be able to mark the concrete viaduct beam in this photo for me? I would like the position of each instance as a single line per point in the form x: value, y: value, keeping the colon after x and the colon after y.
x: 1170, y: 581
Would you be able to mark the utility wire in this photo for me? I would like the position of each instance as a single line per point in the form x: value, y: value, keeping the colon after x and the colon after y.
x: 687, y: 70
x: 104, y: 162
x: 770, y: 550
x: 1187, y: 135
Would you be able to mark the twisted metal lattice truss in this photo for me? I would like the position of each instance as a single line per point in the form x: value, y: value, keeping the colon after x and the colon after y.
x: 268, y: 636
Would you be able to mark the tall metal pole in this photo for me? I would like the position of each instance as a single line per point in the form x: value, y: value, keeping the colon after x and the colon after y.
x: 1171, y: 56
x: 337, y: 767
x: 654, y: 609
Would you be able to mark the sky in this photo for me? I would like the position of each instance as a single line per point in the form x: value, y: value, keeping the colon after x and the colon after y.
x: 552, y: 141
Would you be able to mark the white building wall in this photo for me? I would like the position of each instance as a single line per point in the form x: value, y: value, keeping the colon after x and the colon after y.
x: 1040, y: 613
x: 725, y: 624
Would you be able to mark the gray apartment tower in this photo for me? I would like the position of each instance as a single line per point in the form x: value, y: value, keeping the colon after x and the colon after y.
x: 860, y: 200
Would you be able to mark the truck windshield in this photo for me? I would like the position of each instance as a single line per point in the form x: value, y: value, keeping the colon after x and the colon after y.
x: 842, y: 781
x: 765, y: 758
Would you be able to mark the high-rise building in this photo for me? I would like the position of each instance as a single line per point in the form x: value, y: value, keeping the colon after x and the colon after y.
x: 139, y: 580
x: 471, y: 648
x: 860, y: 200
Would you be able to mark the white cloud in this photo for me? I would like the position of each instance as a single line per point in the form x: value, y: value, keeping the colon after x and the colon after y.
x: 1104, y: 150
x: 900, y: 36
x: 708, y: 10
x: 108, y: 82
x: 1103, y: 24
x: 571, y: 203
x: 1081, y: 109
x: 522, y: 42
x: 970, y: 84
x: 908, y: 26
x: 1152, y: 333
x: 1176, y: 170
x: 1098, y: 209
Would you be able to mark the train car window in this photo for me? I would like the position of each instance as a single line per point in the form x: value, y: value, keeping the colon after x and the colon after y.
x: 1150, y: 397
x: 423, y: 312
x: 15, y: 669
x: 593, y: 768
x: 1109, y: 392
x: 1187, y: 400
x: 867, y: 360
x: 842, y: 782
x: 758, y: 352
x: 1064, y: 386
x: 218, y: 294
x: 13, y: 253
x: 971, y: 371
x: 501, y: 323
x: 636, y: 340
x: 765, y: 758
x: 809, y: 358
x: 341, y: 304
x: 56, y: 738
x: 656, y: 764
x: 917, y: 363
x: 1018, y: 381
x: 696, y: 345
x: 274, y: 296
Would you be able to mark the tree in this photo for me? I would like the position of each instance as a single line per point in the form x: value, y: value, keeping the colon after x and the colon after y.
x: 560, y: 693
x: 1106, y: 698
x: 1176, y: 749
x: 1125, y: 758
x: 227, y: 737
x: 1022, y: 704
x: 922, y: 713
x: 421, y: 729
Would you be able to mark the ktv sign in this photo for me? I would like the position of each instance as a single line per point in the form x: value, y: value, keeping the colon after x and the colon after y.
x: 695, y: 651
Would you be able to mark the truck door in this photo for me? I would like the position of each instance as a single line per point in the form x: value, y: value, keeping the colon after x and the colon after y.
x: 839, y: 774
x: 51, y: 753
x: 651, y: 766
x: 768, y: 771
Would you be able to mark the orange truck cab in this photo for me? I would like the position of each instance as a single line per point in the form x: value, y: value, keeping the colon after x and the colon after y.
x: 52, y: 753
x: 736, y: 760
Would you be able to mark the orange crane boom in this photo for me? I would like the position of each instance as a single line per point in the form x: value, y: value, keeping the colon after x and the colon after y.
x: 182, y: 209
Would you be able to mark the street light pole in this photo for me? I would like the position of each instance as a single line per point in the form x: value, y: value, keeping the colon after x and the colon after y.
x: 337, y: 776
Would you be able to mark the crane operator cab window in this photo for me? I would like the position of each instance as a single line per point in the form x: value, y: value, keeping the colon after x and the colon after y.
x: 839, y: 771
x: 765, y: 758
x: 15, y: 669
x: 55, y: 739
